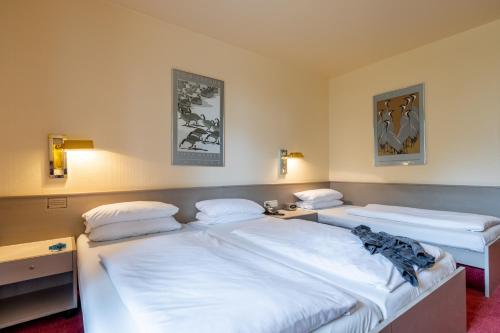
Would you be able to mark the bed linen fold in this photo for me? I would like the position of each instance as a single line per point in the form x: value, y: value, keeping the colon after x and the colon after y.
x: 427, y: 217
x: 164, y: 281
x: 333, y: 250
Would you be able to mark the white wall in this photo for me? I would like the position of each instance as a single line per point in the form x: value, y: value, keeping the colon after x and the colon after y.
x: 91, y: 69
x: 462, y: 109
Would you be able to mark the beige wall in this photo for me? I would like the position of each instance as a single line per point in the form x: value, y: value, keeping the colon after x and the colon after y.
x: 462, y: 108
x: 91, y: 69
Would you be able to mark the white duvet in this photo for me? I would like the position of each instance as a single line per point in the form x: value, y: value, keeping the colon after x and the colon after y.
x: 192, y: 282
x: 328, y: 249
x: 427, y: 217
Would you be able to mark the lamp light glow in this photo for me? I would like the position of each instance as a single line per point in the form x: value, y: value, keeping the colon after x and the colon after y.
x: 58, y: 144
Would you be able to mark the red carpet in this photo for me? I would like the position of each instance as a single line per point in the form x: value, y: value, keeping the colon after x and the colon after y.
x: 52, y: 324
x: 483, y: 315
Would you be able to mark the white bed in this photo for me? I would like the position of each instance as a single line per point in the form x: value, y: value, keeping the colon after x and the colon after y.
x: 104, y: 311
x: 389, y: 303
x: 473, y: 241
x: 477, y: 249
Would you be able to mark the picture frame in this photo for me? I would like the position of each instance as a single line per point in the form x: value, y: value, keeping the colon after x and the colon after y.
x: 197, y: 120
x: 399, y: 127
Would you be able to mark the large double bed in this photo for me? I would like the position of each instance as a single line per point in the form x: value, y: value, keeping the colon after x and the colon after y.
x: 104, y: 310
x: 106, y: 307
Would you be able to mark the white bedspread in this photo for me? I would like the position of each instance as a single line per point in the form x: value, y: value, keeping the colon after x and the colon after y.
x: 333, y: 250
x: 166, y: 280
x: 426, y: 217
x: 474, y: 241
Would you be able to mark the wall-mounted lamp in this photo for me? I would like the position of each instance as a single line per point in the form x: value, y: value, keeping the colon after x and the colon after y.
x: 58, y: 144
x: 284, y: 156
x: 78, y: 144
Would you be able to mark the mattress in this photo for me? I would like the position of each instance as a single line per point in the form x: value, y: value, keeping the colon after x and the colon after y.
x: 389, y: 303
x: 474, y: 241
x: 104, y: 311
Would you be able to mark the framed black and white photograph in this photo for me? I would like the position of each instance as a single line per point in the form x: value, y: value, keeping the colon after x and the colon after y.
x: 399, y: 127
x: 198, y: 120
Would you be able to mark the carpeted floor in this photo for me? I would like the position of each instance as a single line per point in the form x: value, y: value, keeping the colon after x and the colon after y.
x: 483, y: 315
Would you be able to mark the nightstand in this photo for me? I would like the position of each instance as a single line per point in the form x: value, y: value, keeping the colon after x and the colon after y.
x: 299, y: 213
x: 36, y: 282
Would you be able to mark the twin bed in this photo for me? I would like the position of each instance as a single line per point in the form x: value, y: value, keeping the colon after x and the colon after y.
x: 118, y: 280
x: 479, y: 249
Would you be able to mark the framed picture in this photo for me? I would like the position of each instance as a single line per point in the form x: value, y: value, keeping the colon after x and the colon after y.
x: 399, y: 126
x: 197, y: 120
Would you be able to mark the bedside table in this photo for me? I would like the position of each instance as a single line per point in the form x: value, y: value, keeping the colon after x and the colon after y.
x: 36, y: 282
x: 299, y: 213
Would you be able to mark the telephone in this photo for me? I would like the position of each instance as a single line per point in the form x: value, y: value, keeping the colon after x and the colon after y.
x: 272, y: 210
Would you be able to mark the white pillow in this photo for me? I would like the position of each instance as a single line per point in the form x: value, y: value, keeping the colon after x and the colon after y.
x: 127, y: 211
x: 133, y: 228
x: 319, y: 194
x: 221, y: 207
x: 319, y: 204
x: 205, y: 219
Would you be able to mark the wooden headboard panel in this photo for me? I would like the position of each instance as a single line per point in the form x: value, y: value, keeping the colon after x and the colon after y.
x: 26, y: 219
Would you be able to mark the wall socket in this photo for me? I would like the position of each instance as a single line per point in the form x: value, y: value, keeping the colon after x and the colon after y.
x: 271, y: 203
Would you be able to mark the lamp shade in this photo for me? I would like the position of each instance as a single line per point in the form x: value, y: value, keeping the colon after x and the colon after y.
x: 78, y: 144
x: 295, y: 155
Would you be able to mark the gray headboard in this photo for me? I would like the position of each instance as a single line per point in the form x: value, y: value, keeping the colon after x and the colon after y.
x: 469, y: 199
x: 25, y: 219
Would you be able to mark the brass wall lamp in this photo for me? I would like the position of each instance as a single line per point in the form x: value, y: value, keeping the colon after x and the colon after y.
x: 58, y: 145
x: 284, y: 156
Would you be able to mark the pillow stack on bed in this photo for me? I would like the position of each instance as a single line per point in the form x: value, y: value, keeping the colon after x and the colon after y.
x: 227, y: 210
x: 319, y: 199
x: 128, y: 219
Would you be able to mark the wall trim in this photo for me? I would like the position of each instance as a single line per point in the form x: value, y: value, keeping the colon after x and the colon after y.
x: 460, y: 198
x: 414, y: 184
x: 27, y: 218
x: 74, y: 194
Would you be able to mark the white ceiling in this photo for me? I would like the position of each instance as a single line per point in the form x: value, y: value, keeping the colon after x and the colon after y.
x: 327, y: 36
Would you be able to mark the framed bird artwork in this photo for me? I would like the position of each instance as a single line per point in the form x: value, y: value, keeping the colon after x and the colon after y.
x: 399, y: 127
x: 197, y: 120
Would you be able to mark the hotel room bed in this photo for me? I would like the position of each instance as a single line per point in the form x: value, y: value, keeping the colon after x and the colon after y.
x: 389, y: 303
x: 477, y: 249
x: 104, y: 311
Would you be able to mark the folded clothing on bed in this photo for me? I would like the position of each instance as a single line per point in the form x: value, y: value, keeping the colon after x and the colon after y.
x: 403, y: 252
x: 427, y: 217
x: 192, y: 282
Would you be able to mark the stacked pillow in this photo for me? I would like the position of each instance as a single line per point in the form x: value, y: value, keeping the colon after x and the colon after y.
x: 127, y: 219
x: 227, y: 210
x: 318, y: 199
